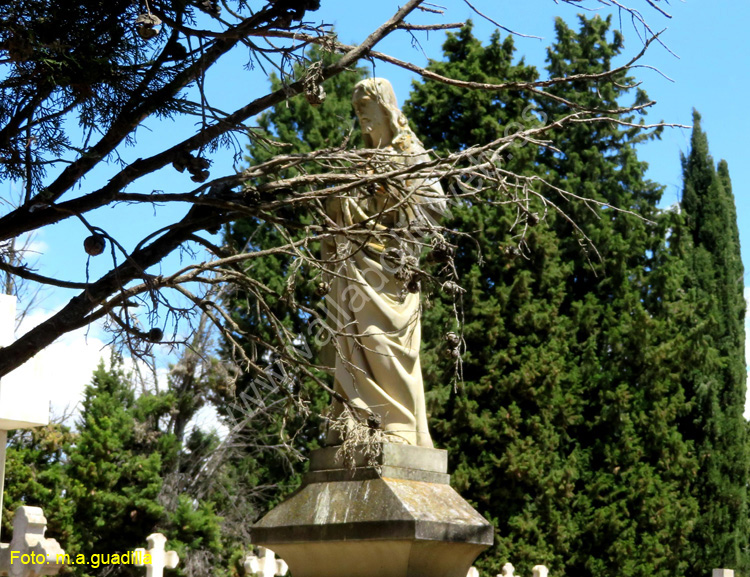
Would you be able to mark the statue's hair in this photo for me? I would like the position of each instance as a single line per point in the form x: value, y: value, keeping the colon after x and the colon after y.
x: 382, y: 91
x: 404, y: 141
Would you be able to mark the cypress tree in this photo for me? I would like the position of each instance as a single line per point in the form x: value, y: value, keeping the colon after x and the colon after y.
x: 565, y: 431
x: 505, y: 424
x: 123, y: 473
x: 632, y: 509
x: 35, y: 476
x: 714, y: 282
x: 115, y: 476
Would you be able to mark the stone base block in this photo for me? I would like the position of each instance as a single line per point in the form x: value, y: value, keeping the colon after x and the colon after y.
x: 395, y: 517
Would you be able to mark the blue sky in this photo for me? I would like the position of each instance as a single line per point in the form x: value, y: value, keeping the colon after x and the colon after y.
x: 710, y: 73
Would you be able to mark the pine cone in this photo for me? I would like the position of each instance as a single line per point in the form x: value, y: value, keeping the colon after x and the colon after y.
x: 94, y: 245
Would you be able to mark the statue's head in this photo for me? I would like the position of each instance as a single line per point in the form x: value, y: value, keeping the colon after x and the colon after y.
x: 383, y: 123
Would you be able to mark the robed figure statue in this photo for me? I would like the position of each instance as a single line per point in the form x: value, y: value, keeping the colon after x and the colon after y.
x: 374, y: 304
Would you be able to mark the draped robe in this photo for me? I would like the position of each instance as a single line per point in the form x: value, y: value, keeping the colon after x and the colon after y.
x: 376, y: 321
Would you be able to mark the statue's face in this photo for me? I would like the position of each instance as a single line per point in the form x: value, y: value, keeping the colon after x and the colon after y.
x: 374, y: 121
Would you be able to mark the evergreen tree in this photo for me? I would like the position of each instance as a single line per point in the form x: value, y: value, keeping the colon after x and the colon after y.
x: 504, y: 424
x: 632, y: 508
x: 555, y: 435
x: 289, y: 285
x: 113, y: 487
x: 716, y: 385
x: 35, y: 476
x: 107, y: 486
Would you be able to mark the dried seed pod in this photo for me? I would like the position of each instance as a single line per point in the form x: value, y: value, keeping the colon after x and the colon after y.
x: 373, y: 421
x: 146, y: 26
x: 403, y: 274
x: 414, y: 286
x: 251, y: 195
x: 155, y: 335
x: 295, y: 9
x: 322, y: 289
x: 201, y: 176
x: 512, y: 252
x: 451, y: 288
x: 94, y: 245
x: 441, y: 252
x: 406, y: 272
x: 313, y: 85
x: 455, y: 353
x: 394, y: 258
x: 182, y: 160
x: 315, y: 95
x: 533, y: 218
x: 210, y: 7
x: 452, y: 339
x: 198, y: 163
x: 196, y: 166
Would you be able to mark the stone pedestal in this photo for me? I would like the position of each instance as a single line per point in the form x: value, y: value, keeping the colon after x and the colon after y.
x: 396, y: 517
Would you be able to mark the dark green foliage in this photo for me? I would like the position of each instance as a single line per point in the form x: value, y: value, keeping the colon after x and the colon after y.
x: 564, y: 432
x: 632, y: 508
x: 716, y: 385
x: 118, y: 470
x: 289, y: 283
x: 105, y: 487
x: 35, y: 475
x: 85, y: 56
x: 453, y: 118
x: 115, y: 486
x: 504, y: 425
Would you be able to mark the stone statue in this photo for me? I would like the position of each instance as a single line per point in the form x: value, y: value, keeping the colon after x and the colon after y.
x: 373, y: 303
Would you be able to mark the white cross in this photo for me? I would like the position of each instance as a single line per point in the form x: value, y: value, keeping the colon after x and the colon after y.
x: 266, y: 565
x: 539, y: 571
x: 508, y: 570
x: 473, y: 572
x: 160, y: 558
x: 30, y: 553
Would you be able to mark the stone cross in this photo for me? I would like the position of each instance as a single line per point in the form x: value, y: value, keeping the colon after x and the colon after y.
x: 473, y: 572
x: 508, y: 571
x: 160, y: 557
x: 539, y: 571
x: 723, y: 573
x: 30, y: 553
x: 266, y: 565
